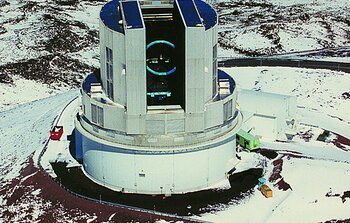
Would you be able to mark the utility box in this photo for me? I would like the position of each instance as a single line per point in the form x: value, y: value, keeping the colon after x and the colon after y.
x: 266, y: 191
x: 56, y: 132
x: 247, y: 140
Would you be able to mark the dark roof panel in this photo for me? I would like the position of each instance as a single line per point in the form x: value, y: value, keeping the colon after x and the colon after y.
x: 207, y: 13
x: 189, y: 13
x: 110, y: 16
x: 132, y: 14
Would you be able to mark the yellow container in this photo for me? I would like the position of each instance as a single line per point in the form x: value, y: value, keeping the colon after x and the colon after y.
x: 266, y: 191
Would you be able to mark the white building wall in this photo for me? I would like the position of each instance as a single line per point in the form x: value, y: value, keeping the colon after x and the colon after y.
x: 194, y: 71
x: 118, y: 66
x: 165, y: 172
x: 214, y: 111
x: 115, y: 41
x: 213, y: 114
x: 136, y: 80
x: 164, y: 123
x: 113, y: 115
x: 158, y: 122
x: 210, y: 42
x: 208, y: 74
x: 85, y: 100
x: 103, y: 30
x: 114, y: 118
x: 267, y: 103
x: 265, y: 114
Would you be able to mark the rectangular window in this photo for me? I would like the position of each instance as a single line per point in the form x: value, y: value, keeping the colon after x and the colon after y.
x: 109, y: 72
x: 228, y: 110
x: 93, y: 113
x: 215, y: 70
x: 100, y: 116
x: 97, y: 115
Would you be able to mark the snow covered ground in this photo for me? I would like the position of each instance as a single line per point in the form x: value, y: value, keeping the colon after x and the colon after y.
x: 46, y: 47
x: 23, y: 91
x: 318, y: 173
x: 320, y: 91
x: 27, y: 194
x: 24, y: 129
x: 310, y: 181
x: 57, y: 41
x: 264, y: 27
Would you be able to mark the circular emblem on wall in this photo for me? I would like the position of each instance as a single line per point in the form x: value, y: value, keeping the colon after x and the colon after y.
x: 159, y: 58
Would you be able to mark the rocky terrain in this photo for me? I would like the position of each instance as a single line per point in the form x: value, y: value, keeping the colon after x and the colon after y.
x: 57, y: 41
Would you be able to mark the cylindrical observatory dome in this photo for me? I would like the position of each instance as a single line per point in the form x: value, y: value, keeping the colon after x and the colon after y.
x: 158, y: 117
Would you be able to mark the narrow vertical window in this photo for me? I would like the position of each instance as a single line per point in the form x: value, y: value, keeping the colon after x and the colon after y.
x: 109, y: 71
x: 100, y: 116
x: 97, y: 115
x: 228, y: 110
x: 93, y: 113
x: 215, y: 70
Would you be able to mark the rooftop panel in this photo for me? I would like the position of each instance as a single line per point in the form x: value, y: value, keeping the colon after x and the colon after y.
x: 207, y: 13
x: 110, y: 16
x: 189, y: 13
x: 132, y: 14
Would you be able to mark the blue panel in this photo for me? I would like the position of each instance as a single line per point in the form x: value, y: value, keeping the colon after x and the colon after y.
x: 207, y: 13
x: 132, y: 14
x: 189, y: 13
x: 222, y: 75
x: 78, y: 145
x: 110, y: 16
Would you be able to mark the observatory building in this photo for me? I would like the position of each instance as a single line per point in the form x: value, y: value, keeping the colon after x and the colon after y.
x: 158, y: 117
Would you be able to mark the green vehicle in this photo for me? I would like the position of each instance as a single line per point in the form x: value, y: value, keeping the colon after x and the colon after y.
x: 247, y: 140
